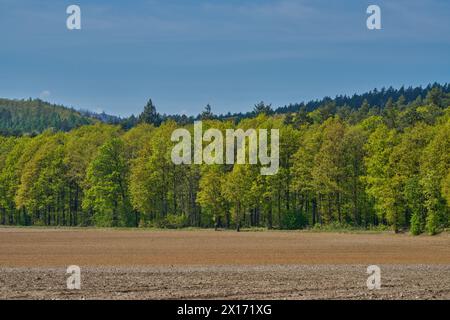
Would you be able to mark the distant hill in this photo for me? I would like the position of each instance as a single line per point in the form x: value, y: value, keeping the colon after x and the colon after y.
x: 33, y: 116
x: 376, y: 98
x: 438, y: 94
x: 103, y: 117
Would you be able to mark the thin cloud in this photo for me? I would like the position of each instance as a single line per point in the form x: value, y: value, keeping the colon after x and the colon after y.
x: 45, y: 94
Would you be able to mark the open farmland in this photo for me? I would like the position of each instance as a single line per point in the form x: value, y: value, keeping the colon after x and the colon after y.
x: 142, y: 264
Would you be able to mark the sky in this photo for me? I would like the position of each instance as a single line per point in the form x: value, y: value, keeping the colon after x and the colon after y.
x: 184, y: 54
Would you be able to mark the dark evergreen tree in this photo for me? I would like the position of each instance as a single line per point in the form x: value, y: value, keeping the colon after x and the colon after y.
x: 150, y: 115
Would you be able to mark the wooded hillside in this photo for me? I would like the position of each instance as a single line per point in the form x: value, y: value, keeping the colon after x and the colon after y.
x: 19, y: 117
x: 368, y: 167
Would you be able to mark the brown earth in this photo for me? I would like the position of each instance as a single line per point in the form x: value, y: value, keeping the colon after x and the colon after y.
x: 229, y: 282
x: 62, y: 247
x: 125, y: 264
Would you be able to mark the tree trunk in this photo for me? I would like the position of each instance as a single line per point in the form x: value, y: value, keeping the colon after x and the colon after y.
x: 270, y: 218
x: 238, y: 216
x: 314, y: 211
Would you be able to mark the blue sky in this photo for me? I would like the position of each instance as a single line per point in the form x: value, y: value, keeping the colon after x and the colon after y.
x: 229, y: 53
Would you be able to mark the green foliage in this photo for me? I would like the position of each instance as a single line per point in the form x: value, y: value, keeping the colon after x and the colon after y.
x: 435, y: 165
x: 150, y: 115
x: 173, y: 221
x: 210, y: 196
x: 292, y: 220
x: 107, y: 193
x: 417, y: 224
x: 341, y: 168
x: 35, y: 116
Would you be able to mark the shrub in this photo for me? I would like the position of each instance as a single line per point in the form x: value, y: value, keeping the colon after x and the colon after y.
x: 292, y: 220
x: 171, y: 221
x: 416, y: 224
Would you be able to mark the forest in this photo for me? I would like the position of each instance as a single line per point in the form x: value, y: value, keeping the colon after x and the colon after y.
x: 364, y: 164
x: 33, y: 116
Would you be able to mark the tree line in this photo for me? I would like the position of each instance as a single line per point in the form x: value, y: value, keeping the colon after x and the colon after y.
x: 367, y: 167
x: 33, y: 116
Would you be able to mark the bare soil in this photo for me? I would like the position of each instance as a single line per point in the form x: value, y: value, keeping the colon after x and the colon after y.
x: 139, y: 264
